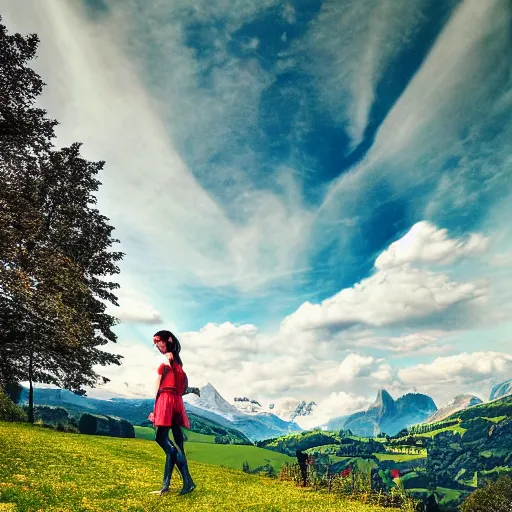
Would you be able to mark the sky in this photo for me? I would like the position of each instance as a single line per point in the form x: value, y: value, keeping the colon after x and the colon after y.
x: 314, y: 196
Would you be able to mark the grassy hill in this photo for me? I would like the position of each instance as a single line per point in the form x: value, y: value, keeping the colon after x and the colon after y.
x: 41, y: 469
x: 202, y: 448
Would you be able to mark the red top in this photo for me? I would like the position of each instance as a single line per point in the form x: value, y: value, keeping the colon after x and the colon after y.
x: 173, y: 379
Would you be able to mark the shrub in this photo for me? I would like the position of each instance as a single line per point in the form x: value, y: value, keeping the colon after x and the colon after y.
x: 9, y: 411
x: 87, y: 424
x: 495, y: 496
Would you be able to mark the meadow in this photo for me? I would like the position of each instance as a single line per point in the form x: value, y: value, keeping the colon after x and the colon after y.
x: 42, y: 469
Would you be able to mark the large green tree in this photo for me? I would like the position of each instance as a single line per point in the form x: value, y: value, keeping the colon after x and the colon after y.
x: 55, y: 246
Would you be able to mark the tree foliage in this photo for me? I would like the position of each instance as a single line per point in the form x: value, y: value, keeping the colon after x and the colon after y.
x: 55, y: 246
x: 495, y: 496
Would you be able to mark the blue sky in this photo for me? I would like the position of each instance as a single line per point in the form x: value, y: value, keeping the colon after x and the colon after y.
x: 314, y: 195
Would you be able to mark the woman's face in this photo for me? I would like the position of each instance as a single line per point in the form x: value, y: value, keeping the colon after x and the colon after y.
x: 161, y: 345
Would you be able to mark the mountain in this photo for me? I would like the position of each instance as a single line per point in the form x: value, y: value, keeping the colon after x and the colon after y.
x: 390, y: 416
x: 500, y: 390
x: 134, y: 410
x: 256, y: 425
x: 211, y: 400
x: 211, y: 406
x: 459, y: 403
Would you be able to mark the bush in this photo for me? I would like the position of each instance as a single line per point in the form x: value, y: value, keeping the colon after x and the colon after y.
x: 87, y: 424
x: 495, y: 496
x: 9, y: 411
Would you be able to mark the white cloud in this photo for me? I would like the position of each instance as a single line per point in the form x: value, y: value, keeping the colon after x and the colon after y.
x: 351, y: 45
x: 387, y: 297
x: 436, y: 124
x: 383, y: 374
x: 135, y: 310
x: 156, y: 201
x: 398, y: 292
x: 502, y: 260
x: 461, y: 369
x: 328, y: 376
x: 136, y: 376
x: 425, y: 243
x: 289, y: 13
x: 421, y: 342
x: 334, y: 405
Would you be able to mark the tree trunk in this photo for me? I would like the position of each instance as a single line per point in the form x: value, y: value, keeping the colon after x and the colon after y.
x: 31, y: 389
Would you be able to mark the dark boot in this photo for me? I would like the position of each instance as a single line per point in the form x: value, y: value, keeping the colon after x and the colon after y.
x: 170, y: 461
x: 188, y: 483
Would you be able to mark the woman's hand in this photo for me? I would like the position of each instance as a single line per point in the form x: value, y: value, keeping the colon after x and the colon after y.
x: 151, y: 417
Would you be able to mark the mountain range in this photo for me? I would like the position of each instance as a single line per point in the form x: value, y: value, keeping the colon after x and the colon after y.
x: 210, y: 406
x: 390, y: 416
x: 249, y: 418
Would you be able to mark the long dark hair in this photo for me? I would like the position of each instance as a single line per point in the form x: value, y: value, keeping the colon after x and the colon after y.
x: 173, y: 344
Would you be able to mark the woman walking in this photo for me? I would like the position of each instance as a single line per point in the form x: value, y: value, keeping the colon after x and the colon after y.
x: 169, y: 412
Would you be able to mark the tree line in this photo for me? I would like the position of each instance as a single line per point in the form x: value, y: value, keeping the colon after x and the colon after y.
x: 56, y: 248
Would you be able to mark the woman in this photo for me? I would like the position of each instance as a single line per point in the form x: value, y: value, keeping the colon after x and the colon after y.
x: 169, y: 411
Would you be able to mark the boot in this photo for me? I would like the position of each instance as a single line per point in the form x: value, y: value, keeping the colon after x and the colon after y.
x: 188, y: 483
x: 170, y: 461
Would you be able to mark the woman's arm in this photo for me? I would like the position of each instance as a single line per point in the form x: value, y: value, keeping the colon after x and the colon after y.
x: 151, y: 416
x: 196, y: 391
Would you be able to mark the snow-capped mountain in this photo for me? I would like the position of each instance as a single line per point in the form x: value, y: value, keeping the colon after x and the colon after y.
x: 247, y: 416
x: 211, y: 400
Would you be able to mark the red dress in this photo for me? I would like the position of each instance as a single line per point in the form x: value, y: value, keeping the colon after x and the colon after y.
x: 169, y: 407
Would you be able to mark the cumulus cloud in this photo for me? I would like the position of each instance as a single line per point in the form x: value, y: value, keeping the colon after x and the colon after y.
x: 135, y: 312
x: 387, y: 297
x: 136, y: 376
x: 425, y: 243
x: 334, y: 405
x: 462, y: 369
x: 353, y: 366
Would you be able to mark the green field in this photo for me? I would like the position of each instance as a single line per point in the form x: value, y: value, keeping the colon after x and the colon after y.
x: 202, y: 448
x: 398, y: 457
x: 193, y: 437
x: 41, y: 469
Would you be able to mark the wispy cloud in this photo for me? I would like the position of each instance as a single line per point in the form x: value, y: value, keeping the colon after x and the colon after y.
x: 171, y: 94
x: 351, y: 45
x: 448, y: 114
x: 246, y: 236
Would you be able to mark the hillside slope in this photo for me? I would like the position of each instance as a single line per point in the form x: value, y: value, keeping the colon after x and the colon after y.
x: 41, y: 469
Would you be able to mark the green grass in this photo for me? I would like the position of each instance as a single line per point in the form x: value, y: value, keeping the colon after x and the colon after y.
x: 233, y: 456
x: 398, y: 457
x: 193, y: 437
x: 449, y: 495
x: 41, y: 469
x: 452, y: 428
x: 496, y: 419
x: 202, y: 448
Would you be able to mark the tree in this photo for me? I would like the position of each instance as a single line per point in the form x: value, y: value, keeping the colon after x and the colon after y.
x: 87, y: 424
x: 55, y: 246
x: 495, y: 496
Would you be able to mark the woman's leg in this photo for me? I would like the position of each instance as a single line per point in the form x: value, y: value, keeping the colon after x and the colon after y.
x: 162, y: 438
x: 177, y: 433
x: 181, y: 461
